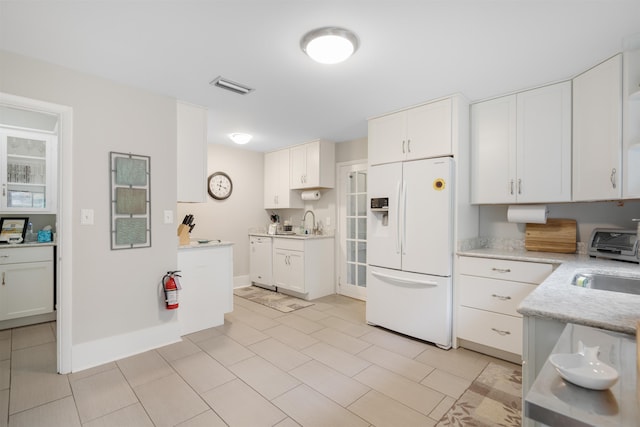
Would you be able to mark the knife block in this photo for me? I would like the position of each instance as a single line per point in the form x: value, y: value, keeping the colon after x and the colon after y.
x: 183, y: 235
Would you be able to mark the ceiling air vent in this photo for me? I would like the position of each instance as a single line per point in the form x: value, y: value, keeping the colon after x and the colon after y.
x: 230, y: 85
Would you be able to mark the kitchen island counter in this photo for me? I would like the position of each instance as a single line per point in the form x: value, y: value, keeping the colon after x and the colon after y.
x: 557, y: 299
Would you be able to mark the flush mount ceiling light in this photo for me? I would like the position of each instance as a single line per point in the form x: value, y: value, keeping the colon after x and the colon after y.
x: 227, y: 84
x: 329, y: 45
x: 240, y: 138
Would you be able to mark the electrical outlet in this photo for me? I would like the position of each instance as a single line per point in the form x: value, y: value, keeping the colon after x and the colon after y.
x: 86, y: 216
x: 168, y: 217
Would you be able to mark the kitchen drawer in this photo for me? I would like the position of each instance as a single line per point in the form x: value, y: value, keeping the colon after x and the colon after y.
x: 517, y: 271
x: 288, y: 244
x: 13, y: 255
x: 491, y: 329
x: 499, y: 296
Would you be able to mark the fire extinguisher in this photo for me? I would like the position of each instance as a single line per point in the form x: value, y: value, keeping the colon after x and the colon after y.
x: 171, y: 286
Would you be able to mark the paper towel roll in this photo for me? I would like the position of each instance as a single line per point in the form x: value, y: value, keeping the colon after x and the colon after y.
x: 536, y: 214
x: 310, y: 195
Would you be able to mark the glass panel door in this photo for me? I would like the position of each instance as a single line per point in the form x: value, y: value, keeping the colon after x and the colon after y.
x: 352, y: 208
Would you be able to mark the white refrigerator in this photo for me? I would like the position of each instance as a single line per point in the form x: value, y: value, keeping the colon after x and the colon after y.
x: 410, y: 248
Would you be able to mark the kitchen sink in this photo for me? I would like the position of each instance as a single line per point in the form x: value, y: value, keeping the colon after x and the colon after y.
x: 606, y: 282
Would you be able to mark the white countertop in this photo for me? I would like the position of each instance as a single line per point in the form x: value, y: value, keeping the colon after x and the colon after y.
x: 557, y: 299
x: 208, y: 244
x: 294, y: 236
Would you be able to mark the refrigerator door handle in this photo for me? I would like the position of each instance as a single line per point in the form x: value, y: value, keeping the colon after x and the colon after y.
x: 403, y: 243
x: 404, y: 281
x: 398, y: 217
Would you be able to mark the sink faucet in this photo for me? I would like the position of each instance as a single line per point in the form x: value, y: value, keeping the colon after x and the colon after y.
x: 304, y: 220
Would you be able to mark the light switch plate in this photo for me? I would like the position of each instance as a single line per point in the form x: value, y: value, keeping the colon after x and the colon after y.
x: 168, y: 217
x: 86, y: 216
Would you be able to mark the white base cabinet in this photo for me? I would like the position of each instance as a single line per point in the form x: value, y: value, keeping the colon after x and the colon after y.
x: 304, y: 266
x: 207, y: 286
x: 489, y: 293
x: 26, y: 281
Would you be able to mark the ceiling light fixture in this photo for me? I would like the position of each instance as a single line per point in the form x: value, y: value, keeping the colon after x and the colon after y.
x: 329, y: 45
x: 227, y: 84
x: 240, y: 138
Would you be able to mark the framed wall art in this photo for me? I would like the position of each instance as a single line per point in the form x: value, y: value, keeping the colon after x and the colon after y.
x: 130, y: 200
x: 12, y: 229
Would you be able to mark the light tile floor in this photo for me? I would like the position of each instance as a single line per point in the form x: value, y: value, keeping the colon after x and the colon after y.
x: 318, y: 366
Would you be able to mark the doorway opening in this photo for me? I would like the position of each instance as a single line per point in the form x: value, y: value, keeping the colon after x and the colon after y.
x: 352, y: 230
x: 37, y: 138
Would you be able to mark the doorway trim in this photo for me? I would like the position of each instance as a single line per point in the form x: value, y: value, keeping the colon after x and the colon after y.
x: 339, y: 231
x: 64, y: 221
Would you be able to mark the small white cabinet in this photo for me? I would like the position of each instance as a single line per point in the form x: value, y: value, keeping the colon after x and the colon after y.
x: 521, y: 147
x: 304, y: 266
x: 26, y: 281
x: 207, y: 286
x: 277, y: 192
x: 191, y: 156
x: 490, y: 291
x: 597, y: 121
x: 312, y: 165
x: 419, y: 132
x: 260, y: 260
x: 28, y: 171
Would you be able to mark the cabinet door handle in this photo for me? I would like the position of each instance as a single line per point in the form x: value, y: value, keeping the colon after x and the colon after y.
x: 511, y: 187
x: 499, y: 332
x: 613, y: 177
x: 408, y: 146
x: 4, y: 256
x: 519, y: 186
x: 3, y: 279
x: 501, y: 270
x: 403, y: 142
x: 501, y: 297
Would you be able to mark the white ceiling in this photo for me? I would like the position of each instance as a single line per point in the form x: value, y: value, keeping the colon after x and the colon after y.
x: 410, y: 52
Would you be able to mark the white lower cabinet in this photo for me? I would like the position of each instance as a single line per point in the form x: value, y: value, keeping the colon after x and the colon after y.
x: 207, y: 286
x: 26, y: 281
x: 489, y: 292
x: 304, y: 266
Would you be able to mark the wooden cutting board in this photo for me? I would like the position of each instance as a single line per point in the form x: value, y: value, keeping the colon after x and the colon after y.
x: 557, y: 235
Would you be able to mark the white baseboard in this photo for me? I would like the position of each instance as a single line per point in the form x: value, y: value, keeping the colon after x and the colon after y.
x: 97, y: 352
x: 241, y: 281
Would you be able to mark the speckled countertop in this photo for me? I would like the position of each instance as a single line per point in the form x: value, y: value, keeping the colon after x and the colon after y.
x: 294, y: 236
x: 557, y: 299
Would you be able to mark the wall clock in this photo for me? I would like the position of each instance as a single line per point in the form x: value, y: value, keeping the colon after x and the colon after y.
x: 219, y: 185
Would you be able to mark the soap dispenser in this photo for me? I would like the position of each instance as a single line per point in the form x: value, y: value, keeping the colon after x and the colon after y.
x: 30, y: 236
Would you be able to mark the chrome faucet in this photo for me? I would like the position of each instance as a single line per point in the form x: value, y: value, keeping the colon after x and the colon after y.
x: 304, y: 220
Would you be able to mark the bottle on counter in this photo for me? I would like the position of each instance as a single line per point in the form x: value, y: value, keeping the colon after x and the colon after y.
x: 30, y: 236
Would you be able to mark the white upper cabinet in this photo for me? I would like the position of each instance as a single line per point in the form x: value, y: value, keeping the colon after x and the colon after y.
x: 597, y: 116
x: 313, y: 165
x: 521, y: 147
x: 192, y: 153
x: 28, y: 171
x: 277, y: 193
x: 631, y: 122
x: 415, y: 133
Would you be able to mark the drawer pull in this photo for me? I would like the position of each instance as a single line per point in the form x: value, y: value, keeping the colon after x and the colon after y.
x: 499, y: 332
x: 3, y: 278
x: 501, y: 270
x: 4, y: 256
x: 501, y: 297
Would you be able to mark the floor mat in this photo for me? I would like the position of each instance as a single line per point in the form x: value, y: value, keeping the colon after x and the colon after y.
x: 493, y: 399
x: 279, y: 301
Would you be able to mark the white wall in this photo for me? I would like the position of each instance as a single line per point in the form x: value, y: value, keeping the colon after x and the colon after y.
x: 114, y: 292
x: 589, y: 215
x: 230, y: 219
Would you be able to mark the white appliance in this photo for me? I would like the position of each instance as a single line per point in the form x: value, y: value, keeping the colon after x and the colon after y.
x: 410, y: 248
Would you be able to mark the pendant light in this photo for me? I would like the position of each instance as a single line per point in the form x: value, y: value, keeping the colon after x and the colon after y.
x: 329, y: 45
